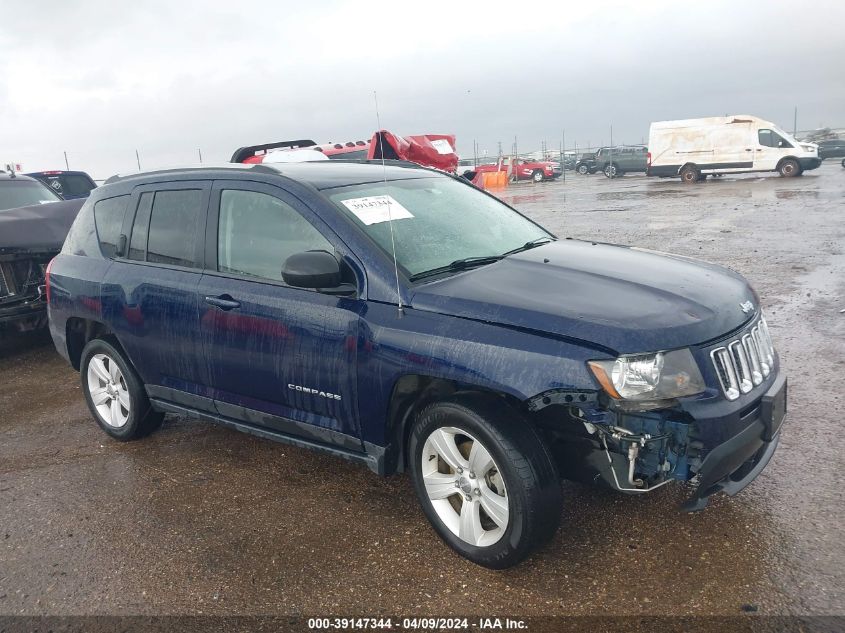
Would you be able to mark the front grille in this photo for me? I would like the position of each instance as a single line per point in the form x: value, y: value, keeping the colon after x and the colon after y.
x: 744, y: 363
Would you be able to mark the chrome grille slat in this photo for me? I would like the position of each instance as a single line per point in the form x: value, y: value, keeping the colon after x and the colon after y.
x: 743, y: 363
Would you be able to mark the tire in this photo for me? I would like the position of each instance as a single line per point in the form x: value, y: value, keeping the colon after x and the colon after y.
x: 690, y: 174
x: 843, y: 162
x: 583, y: 169
x: 611, y: 171
x: 789, y: 168
x: 538, y: 176
x: 456, y: 499
x: 122, y: 408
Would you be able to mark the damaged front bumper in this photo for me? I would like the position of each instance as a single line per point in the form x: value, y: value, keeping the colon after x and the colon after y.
x: 719, y: 445
x: 731, y: 466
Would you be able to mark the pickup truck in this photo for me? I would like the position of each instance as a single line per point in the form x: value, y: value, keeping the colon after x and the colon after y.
x: 523, y: 169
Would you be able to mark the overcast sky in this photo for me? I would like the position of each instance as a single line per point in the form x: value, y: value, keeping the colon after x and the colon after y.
x: 102, y: 79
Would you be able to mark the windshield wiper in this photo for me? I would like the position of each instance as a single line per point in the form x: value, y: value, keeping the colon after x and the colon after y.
x: 545, y: 239
x: 459, y: 264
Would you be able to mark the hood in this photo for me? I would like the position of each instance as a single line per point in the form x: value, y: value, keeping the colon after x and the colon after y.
x: 619, y: 298
x: 38, y: 227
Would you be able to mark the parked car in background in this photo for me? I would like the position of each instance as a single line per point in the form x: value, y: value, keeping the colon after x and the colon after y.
x: 831, y: 148
x: 469, y: 347
x: 586, y: 163
x: 33, y: 224
x: 17, y: 190
x: 696, y: 148
x: 523, y: 169
x: 68, y: 184
x: 622, y: 159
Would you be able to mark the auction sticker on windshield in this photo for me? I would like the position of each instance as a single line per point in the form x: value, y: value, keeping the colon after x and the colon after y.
x: 375, y: 209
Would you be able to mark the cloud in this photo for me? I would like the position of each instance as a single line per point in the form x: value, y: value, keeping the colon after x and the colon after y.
x: 101, y: 79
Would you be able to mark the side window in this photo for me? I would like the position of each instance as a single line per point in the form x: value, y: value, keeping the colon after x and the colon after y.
x: 769, y: 138
x: 82, y: 238
x: 140, y: 226
x: 257, y: 232
x: 108, y: 215
x: 173, y: 227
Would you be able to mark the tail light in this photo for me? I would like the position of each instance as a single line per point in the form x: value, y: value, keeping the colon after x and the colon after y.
x: 47, y: 280
x: 648, y: 159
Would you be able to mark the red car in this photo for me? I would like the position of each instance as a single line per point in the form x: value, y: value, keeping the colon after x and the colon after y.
x: 522, y: 169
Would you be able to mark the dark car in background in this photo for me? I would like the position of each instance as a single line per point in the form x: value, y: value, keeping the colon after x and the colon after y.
x: 34, y: 222
x: 21, y: 191
x: 586, y: 163
x: 68, y: 184
x: 621, y: 159
x: 470, y: 346
x: 832, y: 148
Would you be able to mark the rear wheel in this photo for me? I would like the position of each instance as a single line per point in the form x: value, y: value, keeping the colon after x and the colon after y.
x: 690, y: 174
x: 537, y: 176
x: 485, y: 479
x: 789, y: 168
x: 115, y: 394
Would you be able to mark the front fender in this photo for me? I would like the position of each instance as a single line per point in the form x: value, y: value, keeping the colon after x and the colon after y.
x: 490, y: 357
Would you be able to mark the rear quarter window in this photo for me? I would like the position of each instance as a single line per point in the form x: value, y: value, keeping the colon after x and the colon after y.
x: 108, y: 215
x: 82, y: 237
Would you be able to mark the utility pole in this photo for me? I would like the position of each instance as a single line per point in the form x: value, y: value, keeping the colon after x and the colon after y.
x: 563, y: 154
x: 611, y: 148
x: 138, y: 158
x: 199, y: 151
x: 67, y: 166
x: 795, y: 122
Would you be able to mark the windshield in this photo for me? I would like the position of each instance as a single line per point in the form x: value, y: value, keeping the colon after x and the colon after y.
x: 436, y: 221
x: 21, y: 193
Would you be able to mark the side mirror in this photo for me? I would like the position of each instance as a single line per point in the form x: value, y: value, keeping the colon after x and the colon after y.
x: 312, y: 269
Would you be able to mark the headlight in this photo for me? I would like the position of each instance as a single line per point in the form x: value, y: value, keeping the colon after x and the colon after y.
x: 659, y: 376
x: 809, y: 148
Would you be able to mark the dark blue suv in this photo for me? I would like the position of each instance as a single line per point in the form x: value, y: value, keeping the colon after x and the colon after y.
x: 401, y: 318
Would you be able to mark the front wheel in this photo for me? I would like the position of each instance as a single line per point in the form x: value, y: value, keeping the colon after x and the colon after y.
x: 789, y: 168
x: 537, y: 176
x: 485, y: 479
x: 583, y: 169
x: 610, y: 171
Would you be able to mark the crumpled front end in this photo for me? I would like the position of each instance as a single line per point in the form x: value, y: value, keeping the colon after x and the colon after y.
x: 721, y: 439
x: 23, y: 303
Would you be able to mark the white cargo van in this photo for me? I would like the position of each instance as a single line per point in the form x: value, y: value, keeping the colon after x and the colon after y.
x: 696, y: 148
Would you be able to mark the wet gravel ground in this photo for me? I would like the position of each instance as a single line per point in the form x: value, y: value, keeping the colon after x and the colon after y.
x: 200, y: 519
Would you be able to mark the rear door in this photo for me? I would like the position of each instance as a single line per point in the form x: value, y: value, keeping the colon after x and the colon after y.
x: 150, y: 292
x: 277, y: 356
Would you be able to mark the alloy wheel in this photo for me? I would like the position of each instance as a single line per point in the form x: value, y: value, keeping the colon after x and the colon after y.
x: 108, y: 391
x: 465, y: 486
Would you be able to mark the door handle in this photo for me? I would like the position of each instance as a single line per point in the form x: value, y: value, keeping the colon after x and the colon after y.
x: 224, y: 302
x: 748, y: 150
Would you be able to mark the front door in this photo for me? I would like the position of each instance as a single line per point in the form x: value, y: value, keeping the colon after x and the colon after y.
x: 277, y: 356
x: 770, y: 148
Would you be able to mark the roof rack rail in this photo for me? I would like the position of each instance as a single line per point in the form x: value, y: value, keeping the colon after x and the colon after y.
x: 242, y: 153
